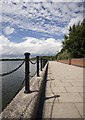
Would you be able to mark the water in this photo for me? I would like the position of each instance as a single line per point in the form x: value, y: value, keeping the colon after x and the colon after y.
x: 12, y: 83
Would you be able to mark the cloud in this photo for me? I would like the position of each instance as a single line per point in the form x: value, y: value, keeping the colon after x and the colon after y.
x: 18, y: 1
x: 45, y: 17
x: 73, y: 21
x: 76, y: 20
x: 8, y: 30
x: 35, y: 46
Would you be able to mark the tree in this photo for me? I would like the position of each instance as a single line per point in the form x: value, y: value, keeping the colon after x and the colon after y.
x: 74, y: 43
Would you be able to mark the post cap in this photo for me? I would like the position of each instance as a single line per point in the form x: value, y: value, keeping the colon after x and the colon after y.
x: 27, y: 54
x: 37, y: 56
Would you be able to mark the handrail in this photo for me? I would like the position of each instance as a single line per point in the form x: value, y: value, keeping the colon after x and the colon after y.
x: 39, y: 61
x: 27, y: 69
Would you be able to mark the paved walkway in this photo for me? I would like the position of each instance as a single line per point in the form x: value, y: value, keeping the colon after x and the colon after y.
x: 66, y: 81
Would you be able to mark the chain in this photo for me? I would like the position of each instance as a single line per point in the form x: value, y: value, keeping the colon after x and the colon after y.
x: 4, y: 74
x: 33, y: 75
x: 33, y: 62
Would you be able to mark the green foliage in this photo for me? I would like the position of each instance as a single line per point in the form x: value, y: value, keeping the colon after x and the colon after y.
x: 50, y: 57
x: 74, y: 42
x: 63, y: 55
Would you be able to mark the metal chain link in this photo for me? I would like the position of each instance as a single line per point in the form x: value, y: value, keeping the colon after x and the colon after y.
x: 4, y: 74
x: 33, y: 62
x: 34, y: 74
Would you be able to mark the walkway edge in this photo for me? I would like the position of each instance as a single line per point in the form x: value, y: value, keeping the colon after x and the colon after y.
x: 37, y: 109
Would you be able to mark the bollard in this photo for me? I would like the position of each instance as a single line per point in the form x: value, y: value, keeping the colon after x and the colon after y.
x: 41, y: 64
x: 27, y: 85
x: 37, y: 66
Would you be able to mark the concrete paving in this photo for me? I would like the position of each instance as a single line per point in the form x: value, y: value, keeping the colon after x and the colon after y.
x: 66, y: 81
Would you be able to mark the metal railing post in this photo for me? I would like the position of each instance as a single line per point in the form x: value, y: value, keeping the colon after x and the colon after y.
x: 41, y: 64
x: 45, y: 61
x: 37, y: 66
x: 27, y: 84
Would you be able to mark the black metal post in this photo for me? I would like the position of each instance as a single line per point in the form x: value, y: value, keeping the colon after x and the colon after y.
x: 45, y: 62
x: 37, y: 66
x: 41, y: 64
x: 27, y: 85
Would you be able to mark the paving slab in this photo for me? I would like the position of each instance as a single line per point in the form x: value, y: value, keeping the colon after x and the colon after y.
x: 65, y: 110
x: 60, y: 110
x: 74, y: 89
x: 70, y: 97
x: 82, y: 94
x: 66, y: 81
x: 59, y: 89
x: 77, y: 84
x: 68, y: 84
x: 79, y: 107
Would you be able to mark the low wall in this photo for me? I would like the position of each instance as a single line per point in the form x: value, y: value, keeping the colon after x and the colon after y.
x: 23, y: 105
x: 79, y: 62
x: 74, y: 61
x: 64, y: 61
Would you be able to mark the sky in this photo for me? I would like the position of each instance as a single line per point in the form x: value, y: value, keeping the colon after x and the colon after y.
x: 36, y: 26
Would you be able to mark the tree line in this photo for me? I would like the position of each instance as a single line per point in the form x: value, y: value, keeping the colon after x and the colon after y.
x: 73, y: 45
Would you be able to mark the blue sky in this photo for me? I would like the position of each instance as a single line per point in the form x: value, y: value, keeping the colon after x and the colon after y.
x: 36, y: 27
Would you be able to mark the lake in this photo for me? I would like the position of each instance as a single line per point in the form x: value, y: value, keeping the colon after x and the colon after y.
x: 10, y: 84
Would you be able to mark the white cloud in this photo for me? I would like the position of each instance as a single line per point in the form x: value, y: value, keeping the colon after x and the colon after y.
x: 42, y: 17
x: 18, y: 1
x: 76, y: 20
x: 8, y: 30
x: 68, y: 0
x: 35, y: 46
x: 45, y: 17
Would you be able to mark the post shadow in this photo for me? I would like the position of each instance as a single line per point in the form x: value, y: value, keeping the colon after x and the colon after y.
x: 42, y: 98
